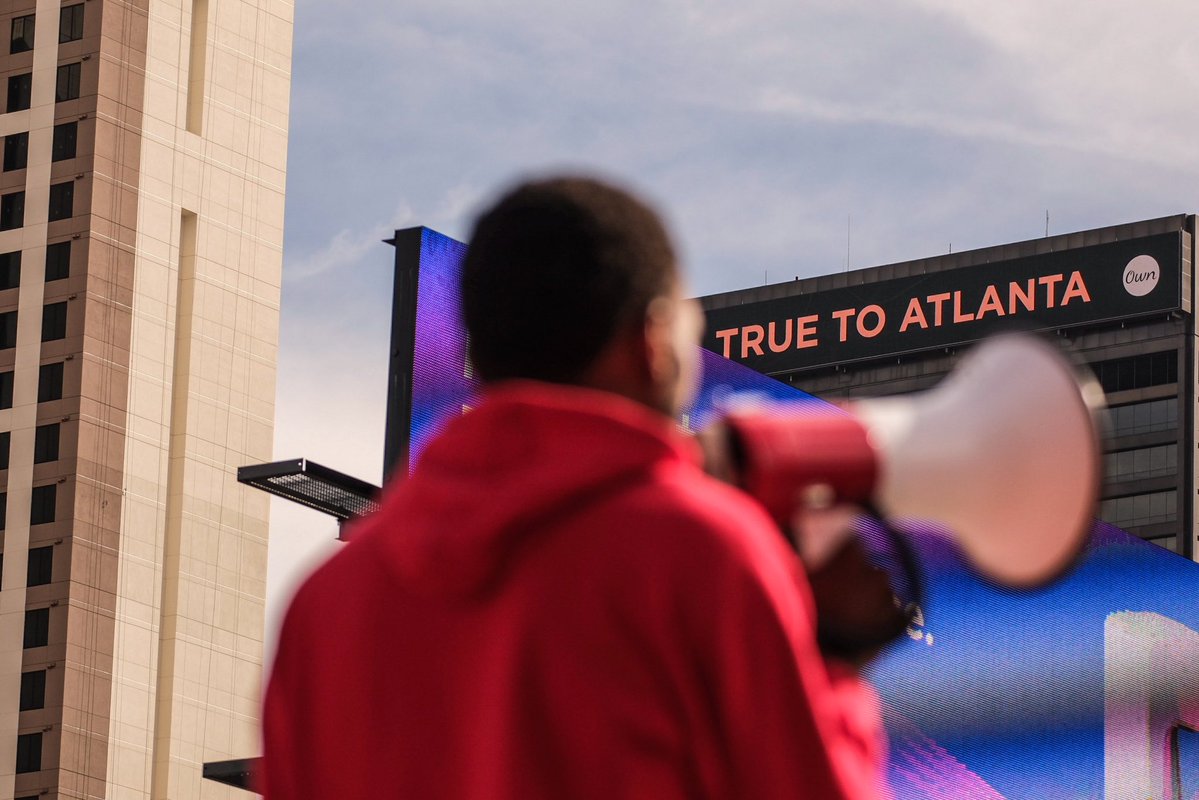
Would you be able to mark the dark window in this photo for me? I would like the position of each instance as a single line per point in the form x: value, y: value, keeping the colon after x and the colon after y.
x: 1145, y: 462
x: 65, y: 136
x: 1137, y: 372
x: 5, y: 440
x: 20, y: 91
x: 1147, y: 417
x: 62, y: 200
x: 54, y: 321
x: 8, y: 329
x: 1140, y: 509
x: 22, y: 34
x: 58, y: 261
x: 29, y: 752
x: 49, y: 382
x: 10, y: 270
x: 70, y: 23
x: 45, y: 443
x: 41, y: 566
x: 12, y: 211
x: 33, y: 690
x: 67, y: 87
x: 42, y: 504
x: 6, y: 383
x: 16, y: 151
x: 37, y: 627
x: 3, y: 516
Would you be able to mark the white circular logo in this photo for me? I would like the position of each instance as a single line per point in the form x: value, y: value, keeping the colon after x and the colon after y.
x: 1140, y: 276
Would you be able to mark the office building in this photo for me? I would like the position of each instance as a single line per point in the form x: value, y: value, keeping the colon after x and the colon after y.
x: 1118, y: 298
x: 141, y: 228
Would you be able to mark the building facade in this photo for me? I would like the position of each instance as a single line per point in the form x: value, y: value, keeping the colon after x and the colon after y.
x: 141, y: 229
x: 1118, y: 298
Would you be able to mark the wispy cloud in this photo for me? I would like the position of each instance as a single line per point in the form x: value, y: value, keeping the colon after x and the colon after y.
x: 348, y: 247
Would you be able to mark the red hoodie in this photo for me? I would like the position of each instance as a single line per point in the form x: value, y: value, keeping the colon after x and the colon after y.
x: 558, y: 603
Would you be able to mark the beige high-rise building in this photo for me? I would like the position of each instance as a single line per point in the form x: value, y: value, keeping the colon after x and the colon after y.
x: 141, y: 230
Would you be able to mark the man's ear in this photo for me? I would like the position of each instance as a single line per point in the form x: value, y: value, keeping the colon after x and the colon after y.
x: 673, y: 326
x: 658, y: 341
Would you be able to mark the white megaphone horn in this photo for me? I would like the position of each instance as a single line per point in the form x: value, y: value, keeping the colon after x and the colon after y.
x: 1004, y: 453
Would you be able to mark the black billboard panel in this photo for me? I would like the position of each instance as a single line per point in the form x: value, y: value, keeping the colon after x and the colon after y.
x: 941, y: 309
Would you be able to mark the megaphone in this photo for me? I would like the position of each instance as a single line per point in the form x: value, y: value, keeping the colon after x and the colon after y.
x: 1004, y: 453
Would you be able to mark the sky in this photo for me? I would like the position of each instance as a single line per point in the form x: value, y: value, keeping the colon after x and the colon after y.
x: 779, y: 139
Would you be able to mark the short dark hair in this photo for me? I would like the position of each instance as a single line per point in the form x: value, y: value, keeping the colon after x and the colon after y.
x: 553, y: 271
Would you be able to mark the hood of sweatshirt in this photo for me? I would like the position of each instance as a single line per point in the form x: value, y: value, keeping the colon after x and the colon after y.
x: 528, y: 455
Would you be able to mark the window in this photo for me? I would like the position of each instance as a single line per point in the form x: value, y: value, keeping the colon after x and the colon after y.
x: 54, y: 321
x: 16, y: 151
x: 62, y: 200
x: 37, y: 627
x: 45, y: 443
x: 1140, y: 509
x: 58, y: 260
x: 1168, y: 542
x: 65, y: 136
x: 5, y: 440
x: 42, y: 504
x: 6, y: 384
x: 1146, y: 462
x: 70, y: 23
x: 67, y: 87
x: 22, y: 34
x: 1147, y: 417
x: 33, y: 690
x: 10, y: 270
x: 12, y: 210
x: 20, y: 91
x: 41, y: 566
x: 8, y: 329
x: 29, y: 752
x: 3, y: 516
x: 1137, y: 372
x: 49, y: 382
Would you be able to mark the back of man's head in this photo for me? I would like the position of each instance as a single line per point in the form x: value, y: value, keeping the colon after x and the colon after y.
x: 556, y: 269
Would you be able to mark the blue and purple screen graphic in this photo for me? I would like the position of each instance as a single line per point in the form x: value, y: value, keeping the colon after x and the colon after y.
x: 1085, y: 690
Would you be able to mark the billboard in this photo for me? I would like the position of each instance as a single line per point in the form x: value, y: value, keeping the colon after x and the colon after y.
x: 1082, y: 285
x: 1085, y: 689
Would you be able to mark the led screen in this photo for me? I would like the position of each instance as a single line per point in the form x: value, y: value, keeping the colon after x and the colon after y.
x: 1086, y: 689
x: 1074, y: 691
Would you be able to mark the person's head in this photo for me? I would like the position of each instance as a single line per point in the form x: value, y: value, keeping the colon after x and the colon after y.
x: 571, y: 280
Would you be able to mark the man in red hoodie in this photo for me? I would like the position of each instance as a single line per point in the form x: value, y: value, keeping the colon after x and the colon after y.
x: 558, y: 602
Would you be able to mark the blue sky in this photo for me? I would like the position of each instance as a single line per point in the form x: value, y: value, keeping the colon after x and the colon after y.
x: 780, y: 139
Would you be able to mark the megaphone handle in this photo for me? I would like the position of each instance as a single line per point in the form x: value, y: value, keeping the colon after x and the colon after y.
x: 844, y: 633
x: 907, y: 558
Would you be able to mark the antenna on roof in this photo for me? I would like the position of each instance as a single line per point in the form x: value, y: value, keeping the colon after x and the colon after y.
x: 1046, y: 223
x: 848, y: 235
